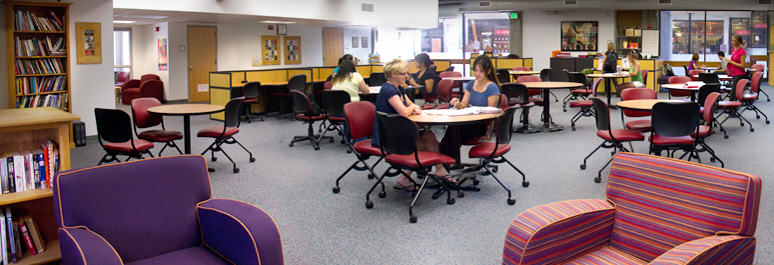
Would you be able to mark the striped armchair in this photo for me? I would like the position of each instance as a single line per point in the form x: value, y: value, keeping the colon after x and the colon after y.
x: 658, y: 211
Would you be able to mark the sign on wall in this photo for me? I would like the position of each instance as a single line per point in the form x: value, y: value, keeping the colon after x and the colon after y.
x: 579, y: 35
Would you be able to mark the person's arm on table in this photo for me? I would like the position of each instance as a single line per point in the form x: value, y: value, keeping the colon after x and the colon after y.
x: 403, y: 110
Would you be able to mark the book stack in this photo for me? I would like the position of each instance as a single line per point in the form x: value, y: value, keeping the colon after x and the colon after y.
x: 28, y: 170
x: 39, y: 66
x: 39, y: 47
x: 59, y: 101
x: 40, y: 84
x: 28, y: 21
x: 18, y: 234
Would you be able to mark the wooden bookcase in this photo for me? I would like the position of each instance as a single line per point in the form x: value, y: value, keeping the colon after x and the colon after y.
x: 38, y: 75
x: 26, y: 129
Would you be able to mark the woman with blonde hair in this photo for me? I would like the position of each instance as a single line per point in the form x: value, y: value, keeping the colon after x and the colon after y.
x: 736, y: 62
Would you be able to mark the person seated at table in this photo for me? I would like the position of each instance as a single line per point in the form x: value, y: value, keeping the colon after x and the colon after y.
x: 634, y: 70
x: 392, y: 99
x: 694, y: 63
x: 723, y: 63
x: 484, y: 91
x: 423, y: 77
x: 346, y: 57
x: 349, y: 80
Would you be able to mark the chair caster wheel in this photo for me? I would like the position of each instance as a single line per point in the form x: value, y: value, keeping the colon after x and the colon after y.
x: 525, y: 184
x: 583, y: 166
x: 752, y: 129
x: 511, y: 201
x: 349, y: 151
x: 476, y: 182
x: 342, y: 142
x: 291, y: 145
x: 382, y: 194
x: 436, y: 195
x: 369, y: 204
x: 252, y: 159
x: 450, y: 201
x: 494, y: 169
x: 316, y: 148
x: 573, y: 129
x: 612, y: 153
x: 565, y: 110
x: 767, y: 122
x: 413, y: 219
x: 214, y: 159
x: 741, y: 124
x: 712, y: 159
x: 236, y: 170
x: 460, y: 194
x: 597, y: 180
x: 758, y: 117
x: 371, y: 176
x: 210, y: 169
x: 336, y: 189
x: 725, y: 136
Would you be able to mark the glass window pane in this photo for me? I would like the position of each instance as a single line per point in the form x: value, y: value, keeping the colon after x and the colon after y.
x: 487, y: 31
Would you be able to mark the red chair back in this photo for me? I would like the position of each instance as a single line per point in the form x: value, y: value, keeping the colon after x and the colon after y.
x: 644, y: 74
x: 679, y: 80
x: 695, y: 73
x: 503, y: 102
x: 360, y: 116
x: 152, y: 88
x: 450, y: 74
x: 327, y: 85
x: 758, y: 68
x: 444, y: 90
x: 122, y: 77
x: 149, y: 77
x: 756, y: 82
x: 143, y: 118
x: 521, y: 68
x: 637, y: 93
x: 529, y: 78
x: 739, y: 91
x: 709, y: 107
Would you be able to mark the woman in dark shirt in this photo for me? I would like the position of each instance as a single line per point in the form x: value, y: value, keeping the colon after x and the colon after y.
x: 424, y: 77
x: 392, y: 99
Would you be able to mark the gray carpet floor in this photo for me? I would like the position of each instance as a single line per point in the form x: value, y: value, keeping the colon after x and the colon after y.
x: 294, y: 184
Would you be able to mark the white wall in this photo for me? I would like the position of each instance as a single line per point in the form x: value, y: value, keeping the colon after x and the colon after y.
x: 239, y: 44
x: 358, y: 52
x: 541, y: 32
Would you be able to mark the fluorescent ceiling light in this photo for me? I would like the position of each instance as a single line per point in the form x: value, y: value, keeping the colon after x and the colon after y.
x: 276, y: 22
x: 139, y: 16
x: 123, y: 21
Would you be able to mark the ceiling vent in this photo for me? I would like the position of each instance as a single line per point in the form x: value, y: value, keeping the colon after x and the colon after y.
x: 764, y: 2
x: 664, y: 2
x: 570, y: 2
x: 483, y: 4
x: 367, y: 7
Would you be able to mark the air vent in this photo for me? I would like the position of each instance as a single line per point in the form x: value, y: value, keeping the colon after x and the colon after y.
x: 764, y: 2
x: 570, y: 2
x: 664, y: 2
x: 483, y: 4
x: 367, y: 7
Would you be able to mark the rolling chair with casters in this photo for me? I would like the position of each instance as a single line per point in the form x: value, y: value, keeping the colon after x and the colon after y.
x: 114, y: 132
x: 749, y: 99
x: 305, y: 110
x: 734, y: 107
x: 251, y: 91
x: 612, y: 138
x: 144, y: 119
x: 759, y: 69
x: 225, y: 134
x: 586, y: 106
x: 334, y: 111
x: 518, y: 94
x: 576, y: 93
x: 360, y: 117
x: 673, y: 125
x: 444, y: 94
x: 679, y: 80
x: 705, y: 130
x: 503, y: 76
x: 545, y: 75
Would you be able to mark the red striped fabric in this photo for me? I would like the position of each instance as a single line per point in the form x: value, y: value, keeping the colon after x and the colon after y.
x: 607, y: 255
x: 711, y: 250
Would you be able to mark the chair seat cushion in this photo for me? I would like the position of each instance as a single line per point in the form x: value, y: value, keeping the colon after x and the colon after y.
x: 216, y: 131
x: 581, y: 104
x: 337, y: 119
x: 643, y: 125
x: 250, y: 100
x: 309, y: 118
x: 622, y: 135
x: 605, y: 255
x: 704, y: 130
x: 671, y: 140
x: 583, y: 91
x: 365, y: 147
x: 427, y: 159
x: 472, y: 141
x: 748, y: 97
x: 485, y: 149
x: 193, y: 255
x: 126, y: 147
x: 160, y: 135
x: 726, y: 104
x: 428, y: 106
x: 131, y: 91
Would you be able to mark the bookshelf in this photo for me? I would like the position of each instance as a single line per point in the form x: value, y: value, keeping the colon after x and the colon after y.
x: 26, y: 129
x: 38, y: 65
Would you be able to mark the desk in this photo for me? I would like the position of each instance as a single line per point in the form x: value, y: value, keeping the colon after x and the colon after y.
x: 682, y: 87
x: 186, y: 110
x: 608, y: 77
x: 708, y: 69
x: 427, y: 119
x: 548, y: 124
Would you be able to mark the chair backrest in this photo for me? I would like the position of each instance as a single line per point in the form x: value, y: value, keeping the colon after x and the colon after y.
x: 603, y: 114
x: 675, y: 118
x: 376, y: 79
x: 679, y: 79
x: 444, y: 90
x: 450, y: 68
x: 450, y: 74
x: 576, y: 77
x: 231, y: 116
x: 122, y: 77
x: 329, y: 78
x: 113, y: 125
x: 297, y: 82
x: 302, y: 104
x: 710, y: 103
x: 521, y: 68
x: 328, y: 85
x: 705, y: 90
x: 758, y: 68
x: 504, y: 125
x: 694, y: 72
x: 686, y: 70
x: 503, y: 102
x: 545, y: 75
x: 252, y: 89
x: 739, y: 90
x: 637, y: 93
x: 663, y: 202
x: 503, y: 76
x: 709, y: 78
x: 335, y: 101
x: 516, y: 93
x: 139, y: 207
x: 755, y: 83
x: 644, y: 74
x: 148, y: 77
x: 398, y: 134
x: 360, y: 117
x: 528, y: 78
x: 143, y: 118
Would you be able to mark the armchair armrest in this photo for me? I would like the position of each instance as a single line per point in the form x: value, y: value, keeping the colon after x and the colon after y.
x: 730, y: 249
x: 557, y: 232
x: 130, y: 83
x: 82, y: 246
x: 241, y: 232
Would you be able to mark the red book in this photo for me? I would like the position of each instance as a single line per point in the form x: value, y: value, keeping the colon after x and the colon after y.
x: 57, y: 19
x: 27, y: 238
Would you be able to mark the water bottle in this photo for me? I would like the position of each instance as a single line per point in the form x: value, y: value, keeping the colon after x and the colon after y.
x: 618, y: 69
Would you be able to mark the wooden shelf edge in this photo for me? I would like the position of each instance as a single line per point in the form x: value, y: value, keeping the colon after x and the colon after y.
x: 52, y: 253
x: 17, y: 197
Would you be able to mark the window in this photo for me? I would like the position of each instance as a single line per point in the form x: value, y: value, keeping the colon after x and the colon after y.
x: 484, y: 30
x: 122, y: 50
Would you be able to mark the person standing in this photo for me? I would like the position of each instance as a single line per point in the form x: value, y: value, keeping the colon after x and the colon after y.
x: 609, y: 66
x: 736, y: 62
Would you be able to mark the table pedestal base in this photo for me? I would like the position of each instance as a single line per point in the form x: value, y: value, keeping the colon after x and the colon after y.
x: 552, y: 127
x: 527, y: 129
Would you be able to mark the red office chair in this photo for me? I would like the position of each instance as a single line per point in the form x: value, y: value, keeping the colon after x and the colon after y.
x: 444, y: 93
x: 444, y: 74
x: 642, y: 125
x: 494, y: 152
x: 122, y: 77
x: 225, y: 134
x: 144, y: 119
x: 114, y: 132
x: 710, y: 103
x: 251, y: 91
x: 612, y: 138
x: 308, y: 112
x: 398, y: 136
x: 518, y: 94
x: 733, y: 107
x: 644, y: 74
x: 695, y: 73
x: 759, y: 69
x: 673, y: 125
x: 360, y: 118
x: 679, y: 80
x: 328, y: 85
x: 749, y: 99
x: 533, y: 92
x: 576, y: 93
x: 334, y: 110
x: 586, y: 106
x: 519, y: 68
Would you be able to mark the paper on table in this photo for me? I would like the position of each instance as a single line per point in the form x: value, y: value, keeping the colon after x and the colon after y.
x: 461, y: 112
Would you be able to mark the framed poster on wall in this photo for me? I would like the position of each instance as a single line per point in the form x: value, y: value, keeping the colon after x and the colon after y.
x: 579, y: 35
x: 88, y: 41
x: 270, y: 50
x: 292, y: 49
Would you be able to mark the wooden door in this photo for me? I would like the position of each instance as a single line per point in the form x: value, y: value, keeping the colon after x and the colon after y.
x: 333, y: 46
x: 202, y: 59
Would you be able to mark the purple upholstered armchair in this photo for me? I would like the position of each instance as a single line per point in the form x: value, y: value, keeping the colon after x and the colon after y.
x: 658, y: 211
x: 158, y: 211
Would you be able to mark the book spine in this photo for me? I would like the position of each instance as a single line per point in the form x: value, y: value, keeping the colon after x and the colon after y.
x: 3, y: 176
x: 24, y: 233
x: 42, y: 171
x: 35, y: 234
x: 11, y: 175
x: 3, y: 240
x: 36, y: 166
x: 11, y: 241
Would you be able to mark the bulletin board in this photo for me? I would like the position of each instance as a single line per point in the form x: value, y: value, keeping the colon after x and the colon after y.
x: 650, y: 40
x: 270, y: 45
x: 292, y: 49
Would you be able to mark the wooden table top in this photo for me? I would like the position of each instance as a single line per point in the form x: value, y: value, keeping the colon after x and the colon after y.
x: 642, y: 104
x: 186, y: 109
x: 681, y: 87
x: 609, y: 75
x: 461, y: 78
x: 445, y: 119
x: 523, y: 72
x: 551, y: 85
x: 32, y: 116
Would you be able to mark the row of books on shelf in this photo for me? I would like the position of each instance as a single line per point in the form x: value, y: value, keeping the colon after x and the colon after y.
x: 18, y: 233
x: 39, y: 66
x: 40, y: 84
x: 29, y: 21
x: 28, y: 170
x: 39, y: 47
x: 59, y: 101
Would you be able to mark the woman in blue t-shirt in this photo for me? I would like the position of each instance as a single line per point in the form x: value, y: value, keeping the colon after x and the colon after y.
x: 392, y: 99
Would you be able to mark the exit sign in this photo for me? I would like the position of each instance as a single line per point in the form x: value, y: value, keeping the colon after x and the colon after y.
x: 514, y: 15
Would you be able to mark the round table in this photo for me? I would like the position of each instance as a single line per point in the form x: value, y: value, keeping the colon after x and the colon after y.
x: 427, y: 119
x: 608, y: 77
x: 642, y: 104
x: 523, y: 72
x: 693, y: 90
x: 186, y: 110
x: 548, y: 124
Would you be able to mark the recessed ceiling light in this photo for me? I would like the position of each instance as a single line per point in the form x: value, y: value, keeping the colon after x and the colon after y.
x: 277, y: 22
x: 123, y: 21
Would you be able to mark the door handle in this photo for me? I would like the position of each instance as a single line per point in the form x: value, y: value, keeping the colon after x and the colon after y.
x: 190, y: 68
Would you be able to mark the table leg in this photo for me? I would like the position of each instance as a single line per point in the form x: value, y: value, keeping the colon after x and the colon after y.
x: 548, y: 125
x: 187, y: 133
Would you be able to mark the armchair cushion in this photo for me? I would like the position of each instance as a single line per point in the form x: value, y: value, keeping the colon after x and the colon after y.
x: 192, y: 255
x: 711, y: 250
x: 557, y: 232
x: 89, y: 246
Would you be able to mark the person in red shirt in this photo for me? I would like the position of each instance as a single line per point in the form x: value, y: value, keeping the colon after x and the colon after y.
x: 736, y: 62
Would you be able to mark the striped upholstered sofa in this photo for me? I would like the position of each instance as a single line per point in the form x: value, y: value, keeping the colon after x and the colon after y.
x: 658, y: 211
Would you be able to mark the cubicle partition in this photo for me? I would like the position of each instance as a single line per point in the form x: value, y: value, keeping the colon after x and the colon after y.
x: 506, y: 63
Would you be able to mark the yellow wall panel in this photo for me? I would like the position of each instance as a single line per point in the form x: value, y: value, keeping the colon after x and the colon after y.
x: 508, y: 63
x: 323, y: 73
x: 364, y: 70
x: 219, y: 97
x: 306, y: 72
x: 220, y: 79
x: 268, y: 76
x: 441, y: 65
x: 528, y: 62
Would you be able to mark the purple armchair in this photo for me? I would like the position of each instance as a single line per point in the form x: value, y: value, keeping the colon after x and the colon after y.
x: 658, y: 211
x: 149, y: 85
x: 158, y: 211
